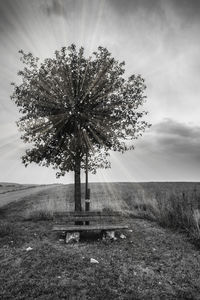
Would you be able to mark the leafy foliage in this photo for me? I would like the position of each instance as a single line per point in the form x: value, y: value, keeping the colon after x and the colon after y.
x: 72, y: 105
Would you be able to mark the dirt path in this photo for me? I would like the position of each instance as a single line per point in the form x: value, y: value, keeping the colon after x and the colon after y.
x: 19, y: 194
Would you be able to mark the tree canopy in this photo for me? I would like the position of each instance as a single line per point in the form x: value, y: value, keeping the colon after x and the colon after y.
x: 70, y: 103
x: 72, y: 106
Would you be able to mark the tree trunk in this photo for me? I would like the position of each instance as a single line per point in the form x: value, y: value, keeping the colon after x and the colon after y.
x: 77, y: 184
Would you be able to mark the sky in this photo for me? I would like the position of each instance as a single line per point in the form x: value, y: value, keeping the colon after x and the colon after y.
x: 158, y: 39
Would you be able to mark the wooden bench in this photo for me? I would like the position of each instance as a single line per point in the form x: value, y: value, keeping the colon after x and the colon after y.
x: 105, y: 222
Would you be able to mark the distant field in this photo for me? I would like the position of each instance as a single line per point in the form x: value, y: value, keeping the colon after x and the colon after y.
x: 116, y: 196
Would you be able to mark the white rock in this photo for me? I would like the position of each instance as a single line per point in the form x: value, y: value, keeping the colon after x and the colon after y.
x: 29, y: 249
x: 130, y: 230
x: 109, y: 235
x: 94, y: 261
x: 122, y: 236
x: 72, y: 237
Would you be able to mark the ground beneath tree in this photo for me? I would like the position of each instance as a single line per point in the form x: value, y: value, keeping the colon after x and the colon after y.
x: 151, y: 263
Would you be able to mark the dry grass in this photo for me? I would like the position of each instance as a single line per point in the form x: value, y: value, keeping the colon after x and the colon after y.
x: 138, y: 267
x: 178, y: 211
x: 6, y: 229
x: 169, y: 206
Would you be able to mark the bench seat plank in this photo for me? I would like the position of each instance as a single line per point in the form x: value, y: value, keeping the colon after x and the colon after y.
x: 87, y: 214
x: 77, y: 228
x: 92, y: 218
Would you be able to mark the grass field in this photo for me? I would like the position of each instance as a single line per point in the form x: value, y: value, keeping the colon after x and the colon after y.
x: 155, y: 261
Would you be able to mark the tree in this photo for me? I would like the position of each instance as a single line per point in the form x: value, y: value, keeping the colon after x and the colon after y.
x: 74, y: 106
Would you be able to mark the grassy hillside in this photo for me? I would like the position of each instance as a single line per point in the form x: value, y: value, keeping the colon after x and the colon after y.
x: 174, y: 204
x: 152, y: 262
x: 139, y: 267
x: 117, y: 196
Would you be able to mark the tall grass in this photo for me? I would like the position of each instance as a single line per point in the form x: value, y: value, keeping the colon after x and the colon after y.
x: 6, y: 229
x: 178, y: 211
x: 45, y: 209
x: 171, y: 205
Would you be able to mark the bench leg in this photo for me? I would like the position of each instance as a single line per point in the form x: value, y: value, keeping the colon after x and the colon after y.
x: 109, y: 235
x: 72, y: 237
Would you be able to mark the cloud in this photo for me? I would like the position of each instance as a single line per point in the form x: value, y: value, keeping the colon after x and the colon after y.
x: 6, y: 16
x: 54, y: 7
x: 172, y: 138
x: 189, y: 10
x: 131, y: 6
x: 177, y: 129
